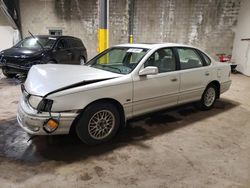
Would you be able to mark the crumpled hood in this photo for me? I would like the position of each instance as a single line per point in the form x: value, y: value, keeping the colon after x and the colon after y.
x: 44, y: 79
x: 21, y: 52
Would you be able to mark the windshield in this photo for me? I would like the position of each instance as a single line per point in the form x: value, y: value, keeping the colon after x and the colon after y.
x: 120, y: 60
x: 46, y: 42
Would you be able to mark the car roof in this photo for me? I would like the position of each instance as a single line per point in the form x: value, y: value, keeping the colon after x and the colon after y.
x: 152, y: 45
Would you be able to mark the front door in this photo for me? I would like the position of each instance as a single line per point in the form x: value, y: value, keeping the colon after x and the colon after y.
x: 62, y: 52
x: 154, y: 92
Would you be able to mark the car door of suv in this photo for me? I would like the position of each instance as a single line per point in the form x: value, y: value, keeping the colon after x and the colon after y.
x: 62, y: 53
x: 73, y: 51
x: 154, y: 92
x: 194, y: 74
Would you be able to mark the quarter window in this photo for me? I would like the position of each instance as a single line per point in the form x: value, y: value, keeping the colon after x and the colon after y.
x: 207, y: 59
x: 163, y: 59
x: 189, y: 58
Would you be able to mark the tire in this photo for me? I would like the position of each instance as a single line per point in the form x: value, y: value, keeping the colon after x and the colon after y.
x: 82, y: 60
x: 208, y: 97
x: 93, y: 129
x: 8, y: 75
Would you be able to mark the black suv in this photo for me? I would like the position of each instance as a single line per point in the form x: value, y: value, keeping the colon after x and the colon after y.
x: 41, y: 50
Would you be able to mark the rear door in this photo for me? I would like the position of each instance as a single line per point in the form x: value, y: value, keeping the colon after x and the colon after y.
x: 195, y: 74
x: 73, y: 51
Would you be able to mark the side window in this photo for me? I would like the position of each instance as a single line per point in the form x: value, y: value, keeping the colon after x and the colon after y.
x: 62, y: 44
x: 164, y: 59
x: 79, y: 43
x: 71, y: 43
x: 189, y: 58
x: 206, y: 58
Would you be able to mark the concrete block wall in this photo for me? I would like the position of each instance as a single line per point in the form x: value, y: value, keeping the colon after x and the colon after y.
x: 75, y: 17
x: 206, y: 24
x: 118, y: 21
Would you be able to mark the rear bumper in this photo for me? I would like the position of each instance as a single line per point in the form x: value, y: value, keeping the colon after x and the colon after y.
x: 32, y: 122
x: 225, y: 86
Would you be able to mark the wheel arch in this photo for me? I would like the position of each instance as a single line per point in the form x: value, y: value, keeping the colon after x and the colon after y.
x: 82, y: 56
x: 116, y: 103
x: 216, y: 83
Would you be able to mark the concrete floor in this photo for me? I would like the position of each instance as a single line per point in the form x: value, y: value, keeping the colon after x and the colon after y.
x: 182, y: 147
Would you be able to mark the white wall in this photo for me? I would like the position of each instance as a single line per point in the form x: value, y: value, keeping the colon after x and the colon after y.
x: 241, y: 49
x: 8, y: 37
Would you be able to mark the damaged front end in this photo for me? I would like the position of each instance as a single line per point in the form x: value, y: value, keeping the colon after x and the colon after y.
x: 35, y: 117
x: 44, y: 108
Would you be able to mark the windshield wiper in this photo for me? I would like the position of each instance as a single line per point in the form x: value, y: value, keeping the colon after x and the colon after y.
x: 38, y: 42
x: 112, y: 67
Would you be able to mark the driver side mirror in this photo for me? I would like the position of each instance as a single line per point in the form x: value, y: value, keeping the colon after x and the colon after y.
x: 150, y: 70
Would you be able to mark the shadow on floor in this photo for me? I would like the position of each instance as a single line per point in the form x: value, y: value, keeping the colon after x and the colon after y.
x: 14, y: 145
x: 10, y: 81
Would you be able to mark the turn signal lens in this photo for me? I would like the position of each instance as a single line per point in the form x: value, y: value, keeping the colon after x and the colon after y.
x: 51, y: 125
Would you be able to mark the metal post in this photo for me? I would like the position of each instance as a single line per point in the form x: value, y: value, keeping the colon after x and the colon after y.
x: 103, y: 25
x: 131, y: 20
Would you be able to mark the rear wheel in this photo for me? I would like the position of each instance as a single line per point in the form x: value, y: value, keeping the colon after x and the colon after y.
x: 98, y: 123
x: 209, y: 97
x: 8, y: 75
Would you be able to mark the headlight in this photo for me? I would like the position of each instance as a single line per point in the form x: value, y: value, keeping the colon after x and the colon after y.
x: 34, y: 101
x: 45, y: 105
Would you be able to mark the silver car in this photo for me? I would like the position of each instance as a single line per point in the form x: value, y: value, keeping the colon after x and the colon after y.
x: 122, y: 82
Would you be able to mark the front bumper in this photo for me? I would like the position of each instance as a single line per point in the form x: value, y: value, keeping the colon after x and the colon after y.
x: 15, y: 69
x: 32, y: 122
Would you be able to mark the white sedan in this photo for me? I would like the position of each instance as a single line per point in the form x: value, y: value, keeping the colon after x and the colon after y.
x: 120, y: 83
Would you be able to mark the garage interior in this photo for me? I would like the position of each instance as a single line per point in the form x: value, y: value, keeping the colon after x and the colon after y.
x: 179, y: 147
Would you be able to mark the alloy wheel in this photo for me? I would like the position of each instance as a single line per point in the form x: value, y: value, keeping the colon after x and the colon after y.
x: 209, y: 97
x: 101, y: 124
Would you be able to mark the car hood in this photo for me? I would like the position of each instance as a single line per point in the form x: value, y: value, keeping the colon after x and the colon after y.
x: 21, y: 52
x: 44, y: 79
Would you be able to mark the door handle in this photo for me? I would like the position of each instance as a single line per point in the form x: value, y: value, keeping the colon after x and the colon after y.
x: 207, y: 73
x: 174, y: 79
x: 70, y: 53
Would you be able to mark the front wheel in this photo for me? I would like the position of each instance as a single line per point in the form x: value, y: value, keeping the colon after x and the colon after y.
x: 209, y: 97
x: 98, y: 123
